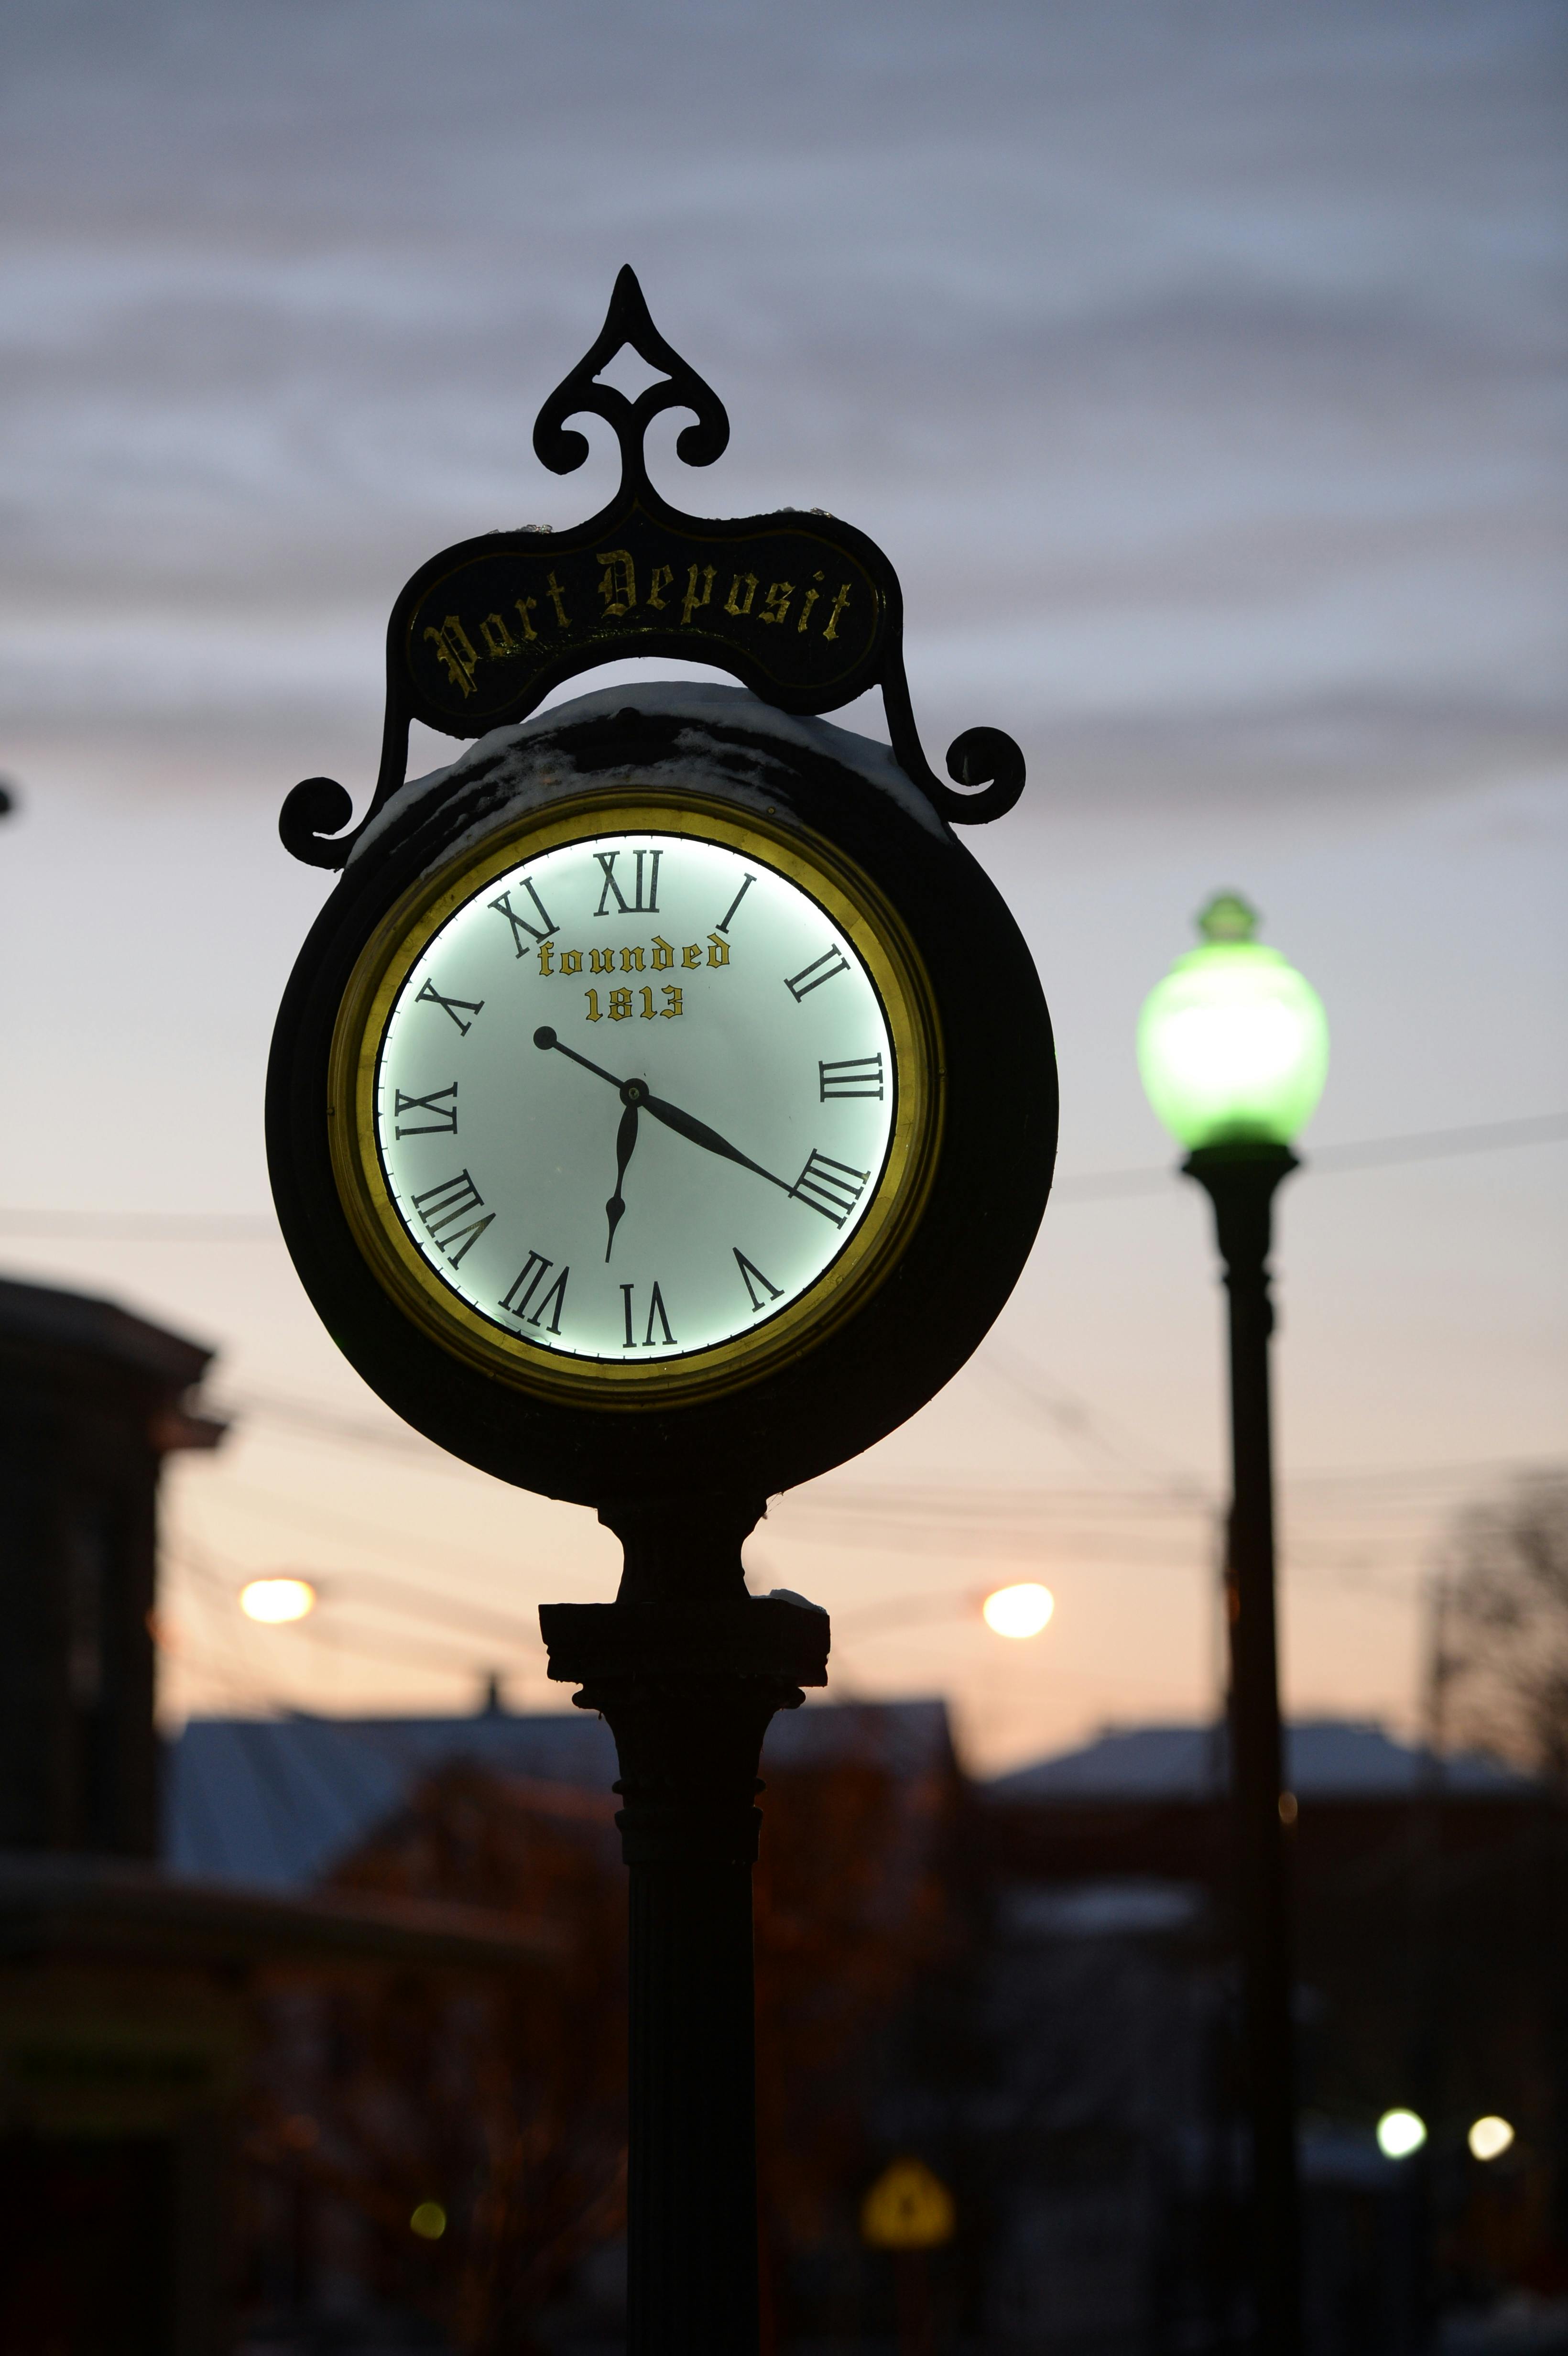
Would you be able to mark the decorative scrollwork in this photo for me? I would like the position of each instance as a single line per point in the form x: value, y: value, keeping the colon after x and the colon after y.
x: 629, y: 322
x: 987, y: 758
x: 316, y: 809
x: 801, y: 607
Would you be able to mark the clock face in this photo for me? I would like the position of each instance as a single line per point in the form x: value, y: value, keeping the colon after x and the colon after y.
x: 639, y: 1098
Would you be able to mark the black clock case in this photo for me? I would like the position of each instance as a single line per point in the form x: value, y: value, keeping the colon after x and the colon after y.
x: 913, y: 1330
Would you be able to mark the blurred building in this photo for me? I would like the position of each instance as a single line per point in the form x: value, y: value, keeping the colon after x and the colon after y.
x: 135, y: 2006
x: 345, y: 2070
x: 278, y: 1802
x: 91, y: 1401
x: 862, y: 1942
x: 151, y: 2032
x: 1433, y: 1960
x: 1027, y: 1986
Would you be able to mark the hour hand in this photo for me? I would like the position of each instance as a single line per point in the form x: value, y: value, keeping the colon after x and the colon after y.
x: 625, y: 1140
x: 545, y: 1037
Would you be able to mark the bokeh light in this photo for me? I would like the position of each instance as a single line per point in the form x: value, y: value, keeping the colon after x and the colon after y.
x: 429, y: 2221
x: 1489, y: 2137
x: 277, y: 1600
x: 1020, y: 1611
x: 1400, y: 2133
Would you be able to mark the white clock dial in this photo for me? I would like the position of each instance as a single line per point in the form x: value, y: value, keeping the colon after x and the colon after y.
x: 635, y: 1095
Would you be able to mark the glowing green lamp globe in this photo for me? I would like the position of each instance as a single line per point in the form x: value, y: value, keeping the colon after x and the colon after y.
x: 1232, y: 1045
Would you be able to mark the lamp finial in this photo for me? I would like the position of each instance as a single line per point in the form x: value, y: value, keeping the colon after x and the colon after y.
x: 1228, y: 917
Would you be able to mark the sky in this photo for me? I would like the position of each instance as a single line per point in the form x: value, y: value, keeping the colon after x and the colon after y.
x: 1198, y: 363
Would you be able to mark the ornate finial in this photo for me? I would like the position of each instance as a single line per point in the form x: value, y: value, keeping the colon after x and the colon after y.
x: 1228, y: 917
x: 802, y: 608
x: 628, y: 322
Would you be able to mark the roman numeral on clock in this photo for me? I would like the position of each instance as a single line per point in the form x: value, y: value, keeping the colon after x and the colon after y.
x: 637, y: 906
x: 655, y: 1309
x: 520, y: 923
x: 830, y: 1187
x: 723, y: 924
x: 749, y: 1269
x: 851, y: 1076
x: 444, y: 1117
x: 812, y: 977
x: 518, y: 1296
x: 440, y: 1207
x: 431, y: 996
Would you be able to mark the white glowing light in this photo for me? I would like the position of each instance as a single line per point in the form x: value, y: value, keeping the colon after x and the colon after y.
x: 1400, y: 2133
x: 1232, y: 1045
x: 1490, y: 2138
x: 276, y: 1600
x: 1020, y: 1611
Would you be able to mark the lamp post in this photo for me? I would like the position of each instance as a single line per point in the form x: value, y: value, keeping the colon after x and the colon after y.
x: 1233, y: 1048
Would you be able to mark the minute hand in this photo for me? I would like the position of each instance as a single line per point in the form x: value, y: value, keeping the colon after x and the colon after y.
x: 633, y: 1092
x: 698, y: 1132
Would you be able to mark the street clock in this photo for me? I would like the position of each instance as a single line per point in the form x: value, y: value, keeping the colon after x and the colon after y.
x: 665, y: 1096
x: 660, y: 1112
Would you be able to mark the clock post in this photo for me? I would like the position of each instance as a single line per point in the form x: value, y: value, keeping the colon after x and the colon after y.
x: 672, y: 946
x: 688, y: 1669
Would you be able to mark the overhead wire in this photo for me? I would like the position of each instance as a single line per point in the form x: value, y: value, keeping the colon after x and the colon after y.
x: 366, y: 1590
x: 1331, y: 1160
x: 1359, y: 1153
x: 895, y: 1620
x: 353, y: 1644
x: 1084, y: 1426
x: 930, y: 1519
x: 241, y: 1672
x: 1172, y: 1490
x: 313, y: 1419
x: 920, y: 1516
x: 925, y: 1518
x: 427, y: 1604
x: 177, y: 1647
x: 324, y: 1520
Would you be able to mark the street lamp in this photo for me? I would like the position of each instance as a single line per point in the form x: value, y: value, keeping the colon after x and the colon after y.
x: 1233, y: 1049
x: 276, y: 1600
x: 1021, y: 1610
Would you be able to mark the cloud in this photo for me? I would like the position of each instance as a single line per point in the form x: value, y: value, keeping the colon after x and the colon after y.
x: 1195, y: 364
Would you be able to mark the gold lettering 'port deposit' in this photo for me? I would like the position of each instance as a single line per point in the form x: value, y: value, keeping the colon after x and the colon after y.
x: 782, y: 600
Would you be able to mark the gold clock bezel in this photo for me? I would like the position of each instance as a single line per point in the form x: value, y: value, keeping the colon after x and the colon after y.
x: 864, y: 916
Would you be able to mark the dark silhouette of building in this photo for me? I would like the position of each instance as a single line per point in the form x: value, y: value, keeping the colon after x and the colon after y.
x: 135, y: 2004
x: 91, y: 1401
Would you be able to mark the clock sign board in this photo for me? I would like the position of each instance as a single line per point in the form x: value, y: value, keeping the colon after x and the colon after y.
x: 664, y: 1097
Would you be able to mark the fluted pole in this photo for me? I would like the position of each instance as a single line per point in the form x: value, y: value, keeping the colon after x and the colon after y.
x: 688, y: 1669
x: 1241, y: 1182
